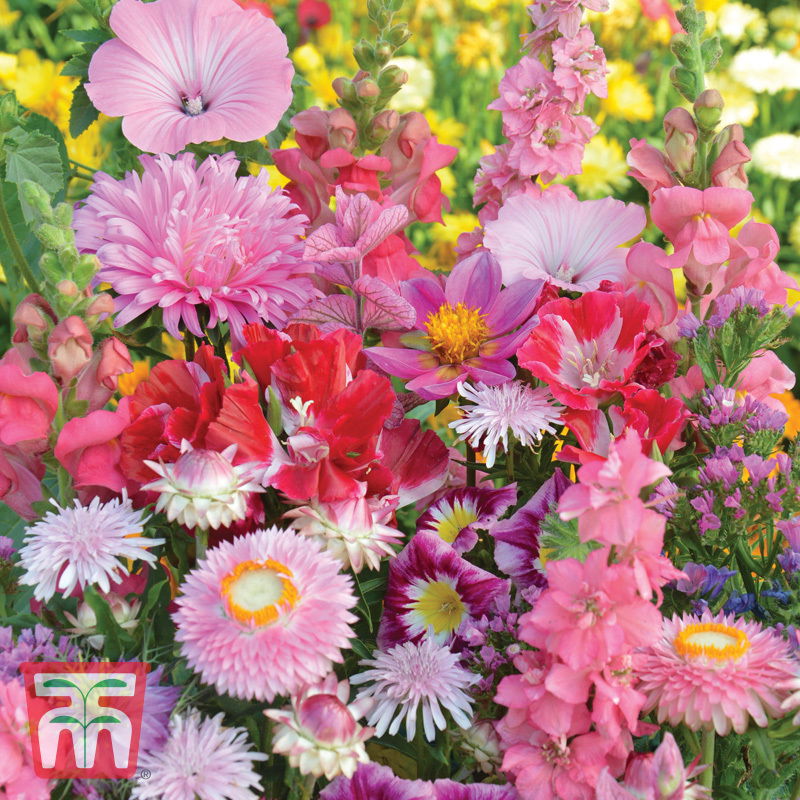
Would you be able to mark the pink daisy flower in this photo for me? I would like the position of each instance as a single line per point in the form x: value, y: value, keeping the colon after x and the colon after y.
x: 183, y: 71
x: 182, y: 236
x: 265, y: 614
x: 572, y: 243
x: 715, y: 672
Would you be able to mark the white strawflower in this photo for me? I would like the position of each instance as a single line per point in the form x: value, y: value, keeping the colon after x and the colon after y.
x: 411, y: 675
x: 201, y: 759
x: 736, y: 21
x: 495, y: 411
x: 778, y: 155
x: 763, y: 70
x: 81, y: 546
x: 203, y: 489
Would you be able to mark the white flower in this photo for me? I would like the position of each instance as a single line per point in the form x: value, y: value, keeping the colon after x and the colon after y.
x: 764, y: 70
x: 203, y: 489
x: 738, y: 20
x: 778, y: 155
x: 411, y: 675
x: 85, y: 623
x: 417, y: 93
x: 511, y: 407
x: 86, y: 542
x: 201, y: 759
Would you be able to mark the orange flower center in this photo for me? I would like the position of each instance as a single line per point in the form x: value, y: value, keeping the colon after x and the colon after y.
x: 712, y: 640
x: 257, y: 592
x: 456, y: 334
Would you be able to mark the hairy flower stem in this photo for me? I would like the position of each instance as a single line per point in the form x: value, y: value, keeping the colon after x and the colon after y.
x: 16, y: 251
x: 707, y: 777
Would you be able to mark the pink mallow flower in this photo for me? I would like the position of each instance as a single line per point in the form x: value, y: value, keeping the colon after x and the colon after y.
x: 183, y: 71
x: 574, y: 244
x: 182, y: 236
x: 467, y: 329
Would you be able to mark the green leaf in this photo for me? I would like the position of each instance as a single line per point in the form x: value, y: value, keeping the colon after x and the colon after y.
x: 77, y: 66
x: 110, y: 683
x: 93, y: 35
x: 54, y: 683
x: 66, y: 718
x: 105, y: 719
x: 82, y: 112
x: 762, y: 747
x: 33, y: 156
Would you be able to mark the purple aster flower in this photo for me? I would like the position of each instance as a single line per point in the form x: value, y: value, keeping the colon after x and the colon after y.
x: 457, y: 516
x: 664, y: 496
x: 32, y: 644
x: 468, y: 328
x: 516, y: 548
x: 432, y: 591
x: 7, y: 548
x: 688, y: 325
x: 376, y: 782
x: 790, y: 561
x: 738, y: 298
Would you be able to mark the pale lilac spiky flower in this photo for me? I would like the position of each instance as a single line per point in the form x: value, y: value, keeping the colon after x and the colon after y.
x: 411, y: 676
x: 188, y: 239
x: 201, y: 760
x: 492, y: 413
x: 82, y: 546
x: 182, y: 71
x: 319, y: 732
x: 203, y: 489
x: 265, y: 614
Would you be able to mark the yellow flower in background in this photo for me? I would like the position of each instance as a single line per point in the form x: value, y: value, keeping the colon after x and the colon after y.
x: 7, y: 16
x: 88, y: 149
x: 710, y: 5
x: 604, y: 168
x: 40, y: 87
x: 792, y: 407
x: 740, y: 102
x: 8, y: 67
x: 794, y: 233
x: 484, y: 6
x: 446, y: 129
x: 615, y: 24
x: 479, y: 47
x: 416, y: 94
x: 336, y: 46
x: 128, y: 382
x: 172, y: 347
x: 441, y: 254
x: 307, y: 58
x: 321, y: 85
x: 628, y: 95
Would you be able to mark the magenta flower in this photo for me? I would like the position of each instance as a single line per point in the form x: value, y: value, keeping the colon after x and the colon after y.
x: 183, y: 71
x: 468, y: 329
x: 182, y: 236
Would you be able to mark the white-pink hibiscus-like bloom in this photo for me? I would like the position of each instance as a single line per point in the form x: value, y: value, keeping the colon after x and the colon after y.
x: 182, y: 236
x: 183, y: 71
x: 572, y: 243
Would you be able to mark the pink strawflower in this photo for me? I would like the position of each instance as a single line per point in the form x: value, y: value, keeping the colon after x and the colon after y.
x: 416, y: 676
x: 201, y: 760
x: 264, y: 614
x: 203, y: 237
x: 716, y: 672
x: 574, y: 244
x: 319, y: 733
x: 183, y: 71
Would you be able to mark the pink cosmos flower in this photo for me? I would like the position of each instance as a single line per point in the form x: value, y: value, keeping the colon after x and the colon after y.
x: 576, y: 245
x: 716, y: 672
x: 468, y: 328
x: 183, y: 71
x: 182, y: 236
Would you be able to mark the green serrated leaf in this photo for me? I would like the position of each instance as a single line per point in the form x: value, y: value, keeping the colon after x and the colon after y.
x: 77, y: 66
x: 33, y: 156
x: 82, y: 112
x: 92, y: 35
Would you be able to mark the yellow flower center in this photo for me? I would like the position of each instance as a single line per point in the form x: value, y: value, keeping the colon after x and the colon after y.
x: 456, y: 333
x: 256, y: 592
x: 712, y: 640
x: 455, y: 521
x: 440, y: 607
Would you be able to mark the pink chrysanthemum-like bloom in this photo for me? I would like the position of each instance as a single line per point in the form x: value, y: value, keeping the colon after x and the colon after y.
x: 184, y: 71
x: 201, y: 760
x: 413, y: 675
x: 265, y: 614
x: 715, y: 672
x: 182, y: 236
x: 319, y: 733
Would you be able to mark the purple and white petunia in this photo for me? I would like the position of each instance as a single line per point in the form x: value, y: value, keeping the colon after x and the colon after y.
x: 468, y: 328
x: 432, y: 591
x: 457, y: 516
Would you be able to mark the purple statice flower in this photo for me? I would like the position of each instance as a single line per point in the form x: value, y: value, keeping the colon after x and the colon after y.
x: 735, y: 453
x: 7, y: 548
x: 790, y: 528
x: 723, y: 408
x: 758, y: 467
x: 719, y: 470
x: 468, y: 327
x: 762, y: 417
x: 734, y: 501
x: 688, y: 325
x: 492, y: 643
x: 32, y: 644
x: 704, y: 504
x: 738, y: 298
x: 790, y: 561
x: 703, y: 579
x: 663, y: 498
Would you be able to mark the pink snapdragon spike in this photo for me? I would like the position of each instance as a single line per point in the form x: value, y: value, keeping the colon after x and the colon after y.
x: 21, y: 475
x: 554, y: 237
x: 648, y: 275
x: 69, y: 348
x: 182, y: 236
x: 28, y: 404
x: 191, y: 71
x: 468, y: 328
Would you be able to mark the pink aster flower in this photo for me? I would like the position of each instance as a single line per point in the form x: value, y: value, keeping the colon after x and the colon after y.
x: 468, y: 328
x: 201, y: 760
x: 416, y: 676
x: 432, y: 592
x: 264, y: 614
x: 183, y: 71
x: 716, y: 672
x: 182, y: 236
x: 574, y: 244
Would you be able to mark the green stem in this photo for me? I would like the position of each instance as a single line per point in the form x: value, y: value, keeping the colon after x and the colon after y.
x: 200, y: 543
x: 419, y: 741
x: 308, y: 787
x: 796, y: 788
x: 16, y: 251
x: 470, y: 466
x: 707, y: 777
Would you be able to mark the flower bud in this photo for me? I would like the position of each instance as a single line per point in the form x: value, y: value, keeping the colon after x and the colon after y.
x: 102, y: 304
x: 383, y: 124
x: 52, y: 237
x: 398, y: 35
x: 367, y: 89
x: 343, y: 131
x: 345, y: 90
x: 69, y: 348
x: 680, y: 137
x: 32, y: 317
x: 383, y: 52
x: 364, y: 53
x: 68, y: 288
x: 9, y: 112
x: 708, y: 109
x: 36, y: 197
x: 392, y: 77
x: 669, y: 770
x: 327, y: 719
x: 115, y: 360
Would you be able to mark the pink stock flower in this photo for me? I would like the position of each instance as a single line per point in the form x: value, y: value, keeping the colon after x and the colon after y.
x: 203, y: 237
x: 28, y: 404
x: 523, y: 89
x: 183, y: 71
x: 590, y: 613
x: 69, y: 348
x: 21, y: 476
x: 468, y: 328
x: 557, y: 238
x: 580, y: 66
